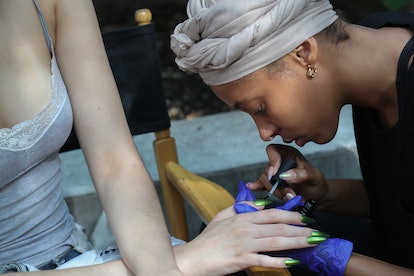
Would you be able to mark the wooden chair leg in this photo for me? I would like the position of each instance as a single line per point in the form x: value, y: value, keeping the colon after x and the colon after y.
x: 165, y: 151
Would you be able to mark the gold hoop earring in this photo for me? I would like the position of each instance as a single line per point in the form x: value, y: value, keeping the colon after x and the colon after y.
x: 312, y: 71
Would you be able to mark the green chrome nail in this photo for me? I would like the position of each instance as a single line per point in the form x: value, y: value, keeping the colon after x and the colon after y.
x: 284, y: 175
x: 307, y: 220
x: 292, y: 262
x: 315, y: 240
x: 320, y: 234
x: 262, y: 202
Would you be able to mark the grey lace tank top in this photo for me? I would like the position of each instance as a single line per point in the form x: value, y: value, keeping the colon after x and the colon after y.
x: 35, y: 224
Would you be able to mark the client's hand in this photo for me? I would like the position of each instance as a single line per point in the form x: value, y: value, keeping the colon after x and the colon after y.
x: 232, y: 243
x: 328, y: 258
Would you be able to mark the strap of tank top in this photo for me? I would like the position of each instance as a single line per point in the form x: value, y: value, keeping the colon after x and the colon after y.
x: 42, y: 21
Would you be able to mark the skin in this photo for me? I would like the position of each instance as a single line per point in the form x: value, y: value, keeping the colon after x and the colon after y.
x: 121, y: 180
x: 301, y: 109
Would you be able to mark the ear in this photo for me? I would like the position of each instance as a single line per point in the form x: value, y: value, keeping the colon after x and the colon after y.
x: 306, y: 53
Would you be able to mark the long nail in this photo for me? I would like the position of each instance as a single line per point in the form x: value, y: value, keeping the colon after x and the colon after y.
x: 288, y: 196
x: 307, y: 220
x: 262, y: 202
x: 292, y: 262
x: 270, y: 173
x: 315, y: 240
x: 285, y: 175
x: 316, y: 233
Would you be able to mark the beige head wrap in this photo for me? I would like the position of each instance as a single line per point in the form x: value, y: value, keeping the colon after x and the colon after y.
x: 225, y: 40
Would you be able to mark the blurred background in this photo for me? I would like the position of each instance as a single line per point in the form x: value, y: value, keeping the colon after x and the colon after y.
x: 187, y: 96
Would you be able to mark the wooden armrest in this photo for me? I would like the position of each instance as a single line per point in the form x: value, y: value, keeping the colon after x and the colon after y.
x: 206, y: 197
x: 266, y: 271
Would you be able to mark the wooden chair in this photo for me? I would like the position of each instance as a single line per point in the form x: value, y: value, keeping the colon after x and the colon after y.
x: 134, y: 61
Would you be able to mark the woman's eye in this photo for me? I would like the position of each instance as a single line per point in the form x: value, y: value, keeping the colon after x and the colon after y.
x: 259, y: 110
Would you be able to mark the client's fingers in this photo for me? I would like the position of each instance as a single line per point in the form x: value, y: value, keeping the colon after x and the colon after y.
x: 277, y: 216
x: 280, y: 230
x: 262, y: 260
x: 229, y: 211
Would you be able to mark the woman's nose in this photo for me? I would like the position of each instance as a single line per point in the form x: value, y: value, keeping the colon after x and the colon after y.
x: 267, y: 131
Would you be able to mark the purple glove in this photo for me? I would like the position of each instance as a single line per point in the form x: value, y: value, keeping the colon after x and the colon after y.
x: 292, y: 203
x: 246, y: 194
x: 328, y: 258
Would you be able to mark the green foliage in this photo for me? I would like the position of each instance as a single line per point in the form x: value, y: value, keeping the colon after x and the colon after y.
x: 395, y: 5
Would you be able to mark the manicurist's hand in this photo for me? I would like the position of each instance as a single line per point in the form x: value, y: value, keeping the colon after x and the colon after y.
x: 305, y: 179
x: 342, y: 196
x: 231, y: 242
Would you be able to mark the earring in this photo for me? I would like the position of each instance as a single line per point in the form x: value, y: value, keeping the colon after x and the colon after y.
x: 312, y: 71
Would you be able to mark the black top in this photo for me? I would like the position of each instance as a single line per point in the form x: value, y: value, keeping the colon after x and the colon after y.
x: 387, y: 155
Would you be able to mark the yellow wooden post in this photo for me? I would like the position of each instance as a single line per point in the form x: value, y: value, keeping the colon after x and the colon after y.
x: 165, y: 151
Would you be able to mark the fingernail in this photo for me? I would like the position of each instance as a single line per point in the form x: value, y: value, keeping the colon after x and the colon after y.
x: 270, y: 173
x: 292, y: 262
x: 262, y: 202
x: 285, y: 175
x: 320, y: 234
x: 316, y: 240
x: 307, y: 220
x: 248, y: 184
x: 288, y: 196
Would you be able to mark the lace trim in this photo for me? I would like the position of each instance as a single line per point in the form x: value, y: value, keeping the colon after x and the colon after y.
x: 25, y: 134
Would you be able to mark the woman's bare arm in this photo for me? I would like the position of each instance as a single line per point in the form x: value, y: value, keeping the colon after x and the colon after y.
x: 366, y: 266
x: 119, y: 175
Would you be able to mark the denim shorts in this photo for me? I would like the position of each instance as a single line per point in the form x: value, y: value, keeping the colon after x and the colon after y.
x: 85, y: 256
x: 81, y: 254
